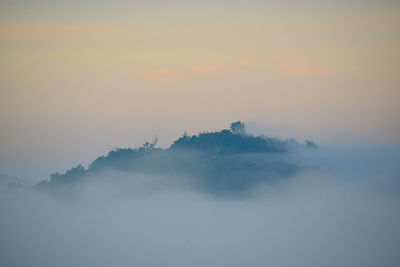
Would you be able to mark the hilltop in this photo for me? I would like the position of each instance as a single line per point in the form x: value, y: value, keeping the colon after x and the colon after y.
x: 229, y: 160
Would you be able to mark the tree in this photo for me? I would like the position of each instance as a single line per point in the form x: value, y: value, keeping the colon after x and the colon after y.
x: 149, y: 146
x: 238, y: 127
x: 310, y: 144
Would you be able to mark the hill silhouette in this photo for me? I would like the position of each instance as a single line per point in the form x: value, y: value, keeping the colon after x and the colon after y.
x: 228, y: 160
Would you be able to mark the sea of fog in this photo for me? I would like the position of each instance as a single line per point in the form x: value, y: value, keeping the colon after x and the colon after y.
x: 344, y: 210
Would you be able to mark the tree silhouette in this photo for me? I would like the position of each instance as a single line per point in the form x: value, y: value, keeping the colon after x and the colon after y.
x: 150, y: 146
x: 238, y: 127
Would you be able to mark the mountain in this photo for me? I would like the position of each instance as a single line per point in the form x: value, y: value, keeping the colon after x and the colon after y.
x: 225, y: 161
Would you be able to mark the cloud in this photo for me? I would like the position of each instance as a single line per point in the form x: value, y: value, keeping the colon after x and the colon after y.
x: 207, y: 68
x: 222, y: 67
x: 169, y: 74
x: 340, y: 207
x: 331, y: 216
x: 302, y: 70
x: 162, y: 75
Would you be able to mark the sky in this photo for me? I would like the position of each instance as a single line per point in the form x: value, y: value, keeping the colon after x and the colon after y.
x: 79, y: 78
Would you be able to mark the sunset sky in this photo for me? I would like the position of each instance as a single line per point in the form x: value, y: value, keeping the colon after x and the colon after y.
x: 83, y: 77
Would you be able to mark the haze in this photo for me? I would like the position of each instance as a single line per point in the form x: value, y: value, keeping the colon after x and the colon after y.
x: 81, y: 79
x: 84, y: 77
x: 342, y: 214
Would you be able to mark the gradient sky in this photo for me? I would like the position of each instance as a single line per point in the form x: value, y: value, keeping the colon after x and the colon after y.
x: 78, y: 78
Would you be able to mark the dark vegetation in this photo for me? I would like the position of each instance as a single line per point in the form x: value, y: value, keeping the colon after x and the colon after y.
x: 229, y: 160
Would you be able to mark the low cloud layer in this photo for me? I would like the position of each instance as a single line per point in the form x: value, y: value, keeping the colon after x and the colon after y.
x: 342, y: 212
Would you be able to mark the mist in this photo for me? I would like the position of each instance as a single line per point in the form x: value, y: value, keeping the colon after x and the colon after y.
x: 342, y: 210
x: 116, y: 147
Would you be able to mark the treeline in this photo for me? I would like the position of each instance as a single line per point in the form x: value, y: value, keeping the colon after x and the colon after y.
x: 224, y: 160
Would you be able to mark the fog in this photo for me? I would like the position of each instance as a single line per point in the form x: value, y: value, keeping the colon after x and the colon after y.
x: 342, y: 210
